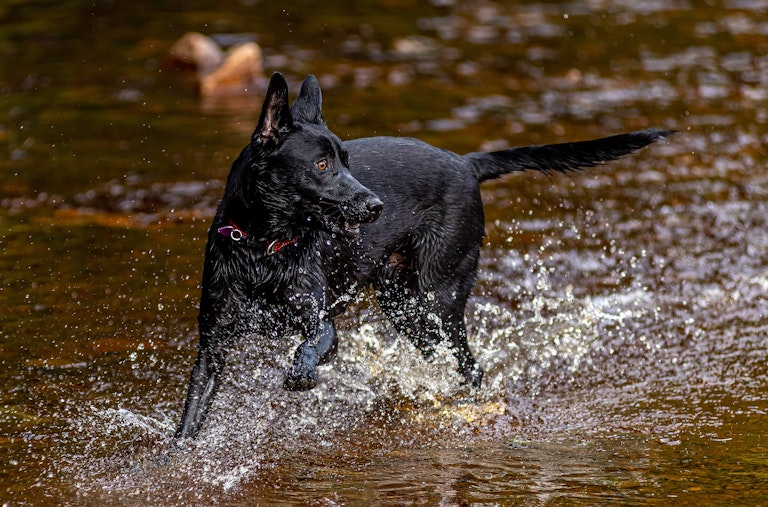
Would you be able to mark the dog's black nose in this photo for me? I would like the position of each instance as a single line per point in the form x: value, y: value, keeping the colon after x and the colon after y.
x: 374, y: 206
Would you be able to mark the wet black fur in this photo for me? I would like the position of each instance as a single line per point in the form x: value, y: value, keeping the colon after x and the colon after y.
x: 420, y: 255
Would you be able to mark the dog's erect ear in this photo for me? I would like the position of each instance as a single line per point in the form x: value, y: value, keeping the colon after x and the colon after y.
x: 275, y: 115
x: 309, y: 103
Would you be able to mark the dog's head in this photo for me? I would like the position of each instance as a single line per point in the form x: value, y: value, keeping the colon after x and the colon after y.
x: 305, y: 167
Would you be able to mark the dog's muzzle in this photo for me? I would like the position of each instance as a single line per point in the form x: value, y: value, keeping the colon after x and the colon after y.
x: 368, y: 212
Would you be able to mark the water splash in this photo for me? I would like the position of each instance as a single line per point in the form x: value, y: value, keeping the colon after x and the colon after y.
x: 380, y: 390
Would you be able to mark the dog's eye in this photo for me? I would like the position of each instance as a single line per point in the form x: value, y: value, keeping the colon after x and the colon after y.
x: 322, y: 165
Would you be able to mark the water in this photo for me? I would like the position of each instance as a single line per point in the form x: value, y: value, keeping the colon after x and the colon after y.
x: 620, y: 314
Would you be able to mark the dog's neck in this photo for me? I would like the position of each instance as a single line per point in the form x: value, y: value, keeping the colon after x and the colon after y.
x: 255, y: 226
x: 262, y: 218
x: 236, y: 234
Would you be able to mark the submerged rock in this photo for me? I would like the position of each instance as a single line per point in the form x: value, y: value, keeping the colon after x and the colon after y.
x: 236, y: 71
x: 197, y: 50
x: 240, y: 72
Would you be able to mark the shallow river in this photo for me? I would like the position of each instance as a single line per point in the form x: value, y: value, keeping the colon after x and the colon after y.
x: 620, y: 313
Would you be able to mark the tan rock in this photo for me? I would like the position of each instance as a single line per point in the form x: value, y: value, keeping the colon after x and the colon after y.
x: 198, y: 50
x: 237, y: 71
x: 240, y: 72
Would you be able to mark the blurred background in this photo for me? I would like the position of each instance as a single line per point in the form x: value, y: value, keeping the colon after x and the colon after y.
x: 620, y: 313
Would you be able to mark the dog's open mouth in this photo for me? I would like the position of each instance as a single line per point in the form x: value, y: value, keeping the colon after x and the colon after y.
x: 344, y: 220
x: 338, y: 224
x: 347, y: 229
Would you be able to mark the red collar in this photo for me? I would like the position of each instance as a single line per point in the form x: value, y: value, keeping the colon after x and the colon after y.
x: 237, y: 234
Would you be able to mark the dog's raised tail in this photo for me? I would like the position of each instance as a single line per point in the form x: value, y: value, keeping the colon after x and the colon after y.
x: 562, y: 158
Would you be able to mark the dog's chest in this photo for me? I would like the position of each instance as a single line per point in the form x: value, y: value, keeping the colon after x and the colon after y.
x: 299, y: 283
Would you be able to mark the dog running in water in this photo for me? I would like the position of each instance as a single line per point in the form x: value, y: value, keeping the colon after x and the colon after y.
x: 307, y: 221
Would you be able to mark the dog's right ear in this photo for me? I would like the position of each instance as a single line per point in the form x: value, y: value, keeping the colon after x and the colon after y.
x: 275, y: 117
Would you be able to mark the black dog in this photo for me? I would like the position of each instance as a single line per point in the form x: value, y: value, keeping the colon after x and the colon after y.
x: 286, y: 249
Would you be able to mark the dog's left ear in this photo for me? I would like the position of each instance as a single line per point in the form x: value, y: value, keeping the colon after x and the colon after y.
x: 275, y: 117
x: 309, y: 103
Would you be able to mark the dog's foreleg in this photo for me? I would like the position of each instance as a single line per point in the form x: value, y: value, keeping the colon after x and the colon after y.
x: 216, y: 333
x: 311, y: 353
x: 203, y: 383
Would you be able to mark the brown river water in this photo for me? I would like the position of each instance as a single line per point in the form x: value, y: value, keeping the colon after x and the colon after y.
x: 620, y: 313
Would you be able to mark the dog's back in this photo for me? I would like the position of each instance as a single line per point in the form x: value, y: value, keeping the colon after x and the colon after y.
x: 433, y: 213
x: 426, y: 191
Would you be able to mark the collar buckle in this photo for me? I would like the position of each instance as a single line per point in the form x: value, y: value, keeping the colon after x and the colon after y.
x: 232, y: 231
x: 278, y: 244
x: 273, y: 247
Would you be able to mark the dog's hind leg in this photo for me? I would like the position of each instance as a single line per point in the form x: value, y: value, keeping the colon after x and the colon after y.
x: 403, y: 309
x: 446, y: 321
x: 428, y: 318
x: 427, y: 324
x: 453, y: 325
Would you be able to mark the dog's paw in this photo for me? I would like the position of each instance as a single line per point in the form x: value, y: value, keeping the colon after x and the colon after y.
x: 300, y: 381
x: 473, y: 377
x: 303, y: 374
